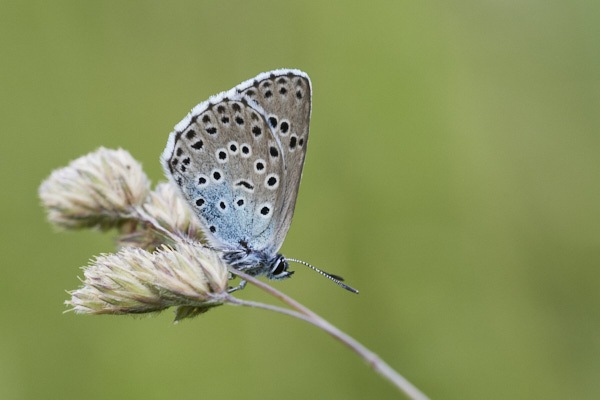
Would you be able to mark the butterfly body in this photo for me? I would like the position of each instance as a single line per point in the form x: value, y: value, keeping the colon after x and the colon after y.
x: 237, y: 160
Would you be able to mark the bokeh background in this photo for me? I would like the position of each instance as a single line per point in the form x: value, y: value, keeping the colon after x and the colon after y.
x: 452, y: 176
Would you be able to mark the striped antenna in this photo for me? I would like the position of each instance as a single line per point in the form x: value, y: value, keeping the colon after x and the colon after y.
x: 337, y: 279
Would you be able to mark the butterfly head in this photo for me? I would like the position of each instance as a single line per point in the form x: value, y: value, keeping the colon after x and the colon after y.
x: 278, y: 268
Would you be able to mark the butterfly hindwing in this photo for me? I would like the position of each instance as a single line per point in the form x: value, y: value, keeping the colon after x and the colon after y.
x: 223, y: 165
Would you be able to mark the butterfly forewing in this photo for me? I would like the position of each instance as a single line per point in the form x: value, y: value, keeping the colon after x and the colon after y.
x: 223, y: 165
x: 285, y: 97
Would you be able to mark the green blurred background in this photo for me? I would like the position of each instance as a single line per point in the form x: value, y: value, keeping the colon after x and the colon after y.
x: 452, y: 176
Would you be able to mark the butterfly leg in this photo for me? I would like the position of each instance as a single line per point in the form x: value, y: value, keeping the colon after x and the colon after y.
x: 238, y: 287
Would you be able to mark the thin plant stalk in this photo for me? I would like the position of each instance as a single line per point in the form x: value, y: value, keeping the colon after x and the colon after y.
x: 107, y: 189
x: 307, y: 315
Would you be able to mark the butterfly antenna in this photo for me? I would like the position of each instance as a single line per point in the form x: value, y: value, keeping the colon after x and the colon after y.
x: 335, y: 278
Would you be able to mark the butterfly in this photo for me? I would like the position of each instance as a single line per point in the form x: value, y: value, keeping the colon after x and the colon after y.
x: 237, y: 160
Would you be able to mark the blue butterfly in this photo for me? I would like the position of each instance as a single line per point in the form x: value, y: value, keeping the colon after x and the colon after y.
x: 237, y: 159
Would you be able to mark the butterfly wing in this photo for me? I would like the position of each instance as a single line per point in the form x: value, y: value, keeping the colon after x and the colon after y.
x: 224, y: 159
x: 285, y: 96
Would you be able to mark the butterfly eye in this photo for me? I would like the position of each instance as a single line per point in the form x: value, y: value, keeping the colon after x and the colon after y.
x: 279, y: 267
